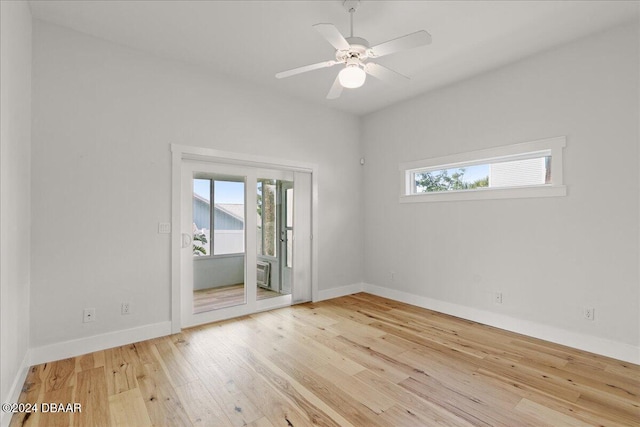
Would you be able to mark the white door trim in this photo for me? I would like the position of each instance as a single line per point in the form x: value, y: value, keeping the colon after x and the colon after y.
x: 183, y: 152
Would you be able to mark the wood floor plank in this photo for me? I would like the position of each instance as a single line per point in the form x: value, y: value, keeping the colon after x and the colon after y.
x: 315, y: 408
x: 433, y: 372
x: 308, y: 349
x: 263, y: 337
x: 430, y: 413
x: 275, y: 406
x: 360, y: 392
x: 378, y: 344
x: 59, y: 374
x: 120, y: 371
x: 360, y: 358
x: 127, y: 409
x: 623, y: 411
x: 398, y: 415
x: 84, y: 362
x: 625, y: 370
x: 547, y: 416
x: 350, y: 326
x: 466, y: 406
x: 58, y: 418
x: 414, y: 334
x: 369, y: 358
x: 588, y: 383
x: 176, y: 367
x: 312, y: 316
x: 237, y: 407
x: 91, y: 394
x: 262, y: 422
x: 530, y: 377
x: 580, y: 411
x: 345, y: 312
x: 201, y: 407
x: 160, y: 398
x: 354, y: 361
x: 340, y: 399
x: 300, y: 325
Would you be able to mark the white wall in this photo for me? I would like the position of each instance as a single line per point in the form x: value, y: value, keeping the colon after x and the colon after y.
x: 15, y: 149
x: 103, y: 118
x: 549, y: 257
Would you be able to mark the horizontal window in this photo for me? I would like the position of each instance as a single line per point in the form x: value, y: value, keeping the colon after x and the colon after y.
x: 495, y: 173
x: 532, y: 169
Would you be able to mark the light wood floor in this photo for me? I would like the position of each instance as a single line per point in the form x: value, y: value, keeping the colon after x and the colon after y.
x: 225, y: 296
x: 353, y: 361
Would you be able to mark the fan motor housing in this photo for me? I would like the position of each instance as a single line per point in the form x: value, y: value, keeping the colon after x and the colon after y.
x: 357, y: 49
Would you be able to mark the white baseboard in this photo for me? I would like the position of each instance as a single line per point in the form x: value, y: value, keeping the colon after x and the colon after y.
x: 77, y: 347
x: 339, y: 292
x: 16, y: 388
x: 614, y: 349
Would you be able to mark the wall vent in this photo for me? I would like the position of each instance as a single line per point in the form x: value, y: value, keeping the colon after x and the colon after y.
x: 264, y: 268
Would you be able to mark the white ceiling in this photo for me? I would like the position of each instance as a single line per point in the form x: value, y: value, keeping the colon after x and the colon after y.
x: 255, y: 39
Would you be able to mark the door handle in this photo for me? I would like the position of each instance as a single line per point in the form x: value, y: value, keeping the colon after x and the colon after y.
x: 186, y: 240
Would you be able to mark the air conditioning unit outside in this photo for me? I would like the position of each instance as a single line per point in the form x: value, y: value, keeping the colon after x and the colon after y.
x: 263, y: 274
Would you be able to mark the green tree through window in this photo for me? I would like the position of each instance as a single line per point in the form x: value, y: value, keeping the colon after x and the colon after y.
x: 442, y: 181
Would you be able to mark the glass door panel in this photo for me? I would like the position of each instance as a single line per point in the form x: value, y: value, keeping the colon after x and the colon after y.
x: 218, y: 242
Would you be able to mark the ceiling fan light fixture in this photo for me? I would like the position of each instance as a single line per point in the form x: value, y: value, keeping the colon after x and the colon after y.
x: 352, y: 76
x: 354, y: 52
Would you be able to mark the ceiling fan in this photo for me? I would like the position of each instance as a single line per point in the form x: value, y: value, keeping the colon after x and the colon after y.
x: 354, y: 53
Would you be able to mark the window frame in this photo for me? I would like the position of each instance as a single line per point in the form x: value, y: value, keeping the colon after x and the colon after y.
x: 209, y: 255
x: 552, y: 147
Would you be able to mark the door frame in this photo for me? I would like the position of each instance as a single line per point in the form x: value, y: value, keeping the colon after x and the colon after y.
x: 283, y: 250
x: 182, y: 152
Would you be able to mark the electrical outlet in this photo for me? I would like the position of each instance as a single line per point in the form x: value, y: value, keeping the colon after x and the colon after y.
x: 125, y: 308
x: 497, y: 298
x: 88, y: 315
x: 589, y: 313
x: 393, y: 276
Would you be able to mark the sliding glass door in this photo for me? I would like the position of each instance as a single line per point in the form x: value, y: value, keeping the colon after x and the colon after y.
x: 238, y: 240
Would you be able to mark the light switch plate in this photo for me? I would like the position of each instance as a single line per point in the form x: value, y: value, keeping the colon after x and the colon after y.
x: 164, y: 228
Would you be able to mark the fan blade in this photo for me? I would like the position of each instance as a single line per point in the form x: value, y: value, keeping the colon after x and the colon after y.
x: 385, y: 74
x: 335, y: 90
x: 419, y: 38
x: 306, y: 68
x: 333, y: 36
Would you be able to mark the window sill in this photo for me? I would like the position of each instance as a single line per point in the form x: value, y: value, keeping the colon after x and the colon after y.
x: 487, y: 194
